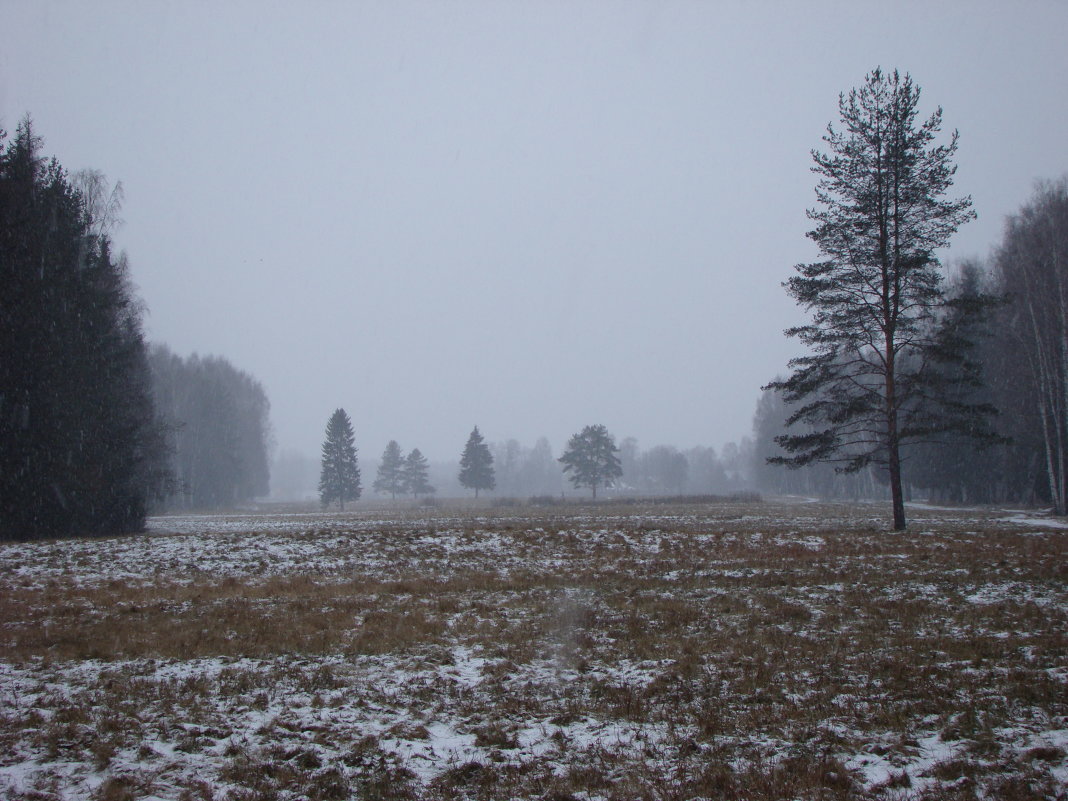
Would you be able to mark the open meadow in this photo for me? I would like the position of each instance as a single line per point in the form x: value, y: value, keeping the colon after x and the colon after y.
x: 727, y: 650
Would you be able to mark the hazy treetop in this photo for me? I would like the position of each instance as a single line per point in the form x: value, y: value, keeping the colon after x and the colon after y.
x: 528, y: 215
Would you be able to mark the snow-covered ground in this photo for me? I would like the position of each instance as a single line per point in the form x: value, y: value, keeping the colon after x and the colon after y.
x: 734, y: 650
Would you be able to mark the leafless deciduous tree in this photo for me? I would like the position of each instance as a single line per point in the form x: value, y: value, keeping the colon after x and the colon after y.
x: 1032, y: 264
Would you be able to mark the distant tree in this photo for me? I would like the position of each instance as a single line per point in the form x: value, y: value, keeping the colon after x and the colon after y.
x: 1017, y: 471
x: 736, y: 458
x: 415, y: 473
x: 874, y: 380
x: 339, y: 479
x: 591, y: 458
x: 1032, y: 265
x: 101, y: 201
x: 390, y: 477
x: 293, y: 475
x: 665, y: 469
x: 816, y: 479
x: 631, y: 463
x: 539, y: 474
x: 476, y: 464
x: 506, y: 466
x: 769, y: 423
x: 218, y: 425
x: 706, y: 473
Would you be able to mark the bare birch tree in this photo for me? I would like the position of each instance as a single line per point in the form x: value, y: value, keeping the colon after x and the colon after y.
x: 1032, y: 264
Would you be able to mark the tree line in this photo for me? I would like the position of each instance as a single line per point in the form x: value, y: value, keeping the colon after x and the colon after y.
x: 82, y: 451
x: 1021, y: 344
x: 96, y: 428
x: 590, y: 461
x: 216, y: 420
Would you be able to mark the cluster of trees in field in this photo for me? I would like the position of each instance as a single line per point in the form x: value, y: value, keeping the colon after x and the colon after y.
x: 340, y: 477
x: 658, y: 470
x: 1026, y: 348
x: 591, y: 461
x: 666, y: 470
x: 82, y: 451
x: 590, y: 458
x: 216, y: 420
x: 402, y: 475
x: 904, y: 369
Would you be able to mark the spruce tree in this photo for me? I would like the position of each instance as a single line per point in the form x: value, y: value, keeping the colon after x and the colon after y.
x: 390, y: 477
x: 875, y: 375
x: 476, y: 464
x: 339, y: 479
x: 415, y: 474
x: 591, y: 458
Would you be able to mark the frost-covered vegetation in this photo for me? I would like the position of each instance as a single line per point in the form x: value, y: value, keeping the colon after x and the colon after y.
x: 730, y: 650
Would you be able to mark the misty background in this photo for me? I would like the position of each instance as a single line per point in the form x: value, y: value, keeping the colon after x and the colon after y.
x: 528, y: 217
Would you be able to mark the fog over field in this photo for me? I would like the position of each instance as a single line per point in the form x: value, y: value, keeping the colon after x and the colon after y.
x: 526, y: 216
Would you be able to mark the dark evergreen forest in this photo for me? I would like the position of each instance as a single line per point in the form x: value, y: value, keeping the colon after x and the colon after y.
x: 96, y: 428
x: 81, y: 448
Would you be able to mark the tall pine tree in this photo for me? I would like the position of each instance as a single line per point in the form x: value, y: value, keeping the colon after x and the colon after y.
x: 339, y: 479
x: 876, y: 376
x: 415, y: 474
x: 476, y: 464
x: 390, y: 477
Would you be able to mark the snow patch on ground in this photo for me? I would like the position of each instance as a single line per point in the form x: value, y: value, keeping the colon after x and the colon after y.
x: 1037, y: 522
x: 436, y: 708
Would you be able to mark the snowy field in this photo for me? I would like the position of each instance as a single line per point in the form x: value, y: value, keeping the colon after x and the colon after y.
x: 735, y: 651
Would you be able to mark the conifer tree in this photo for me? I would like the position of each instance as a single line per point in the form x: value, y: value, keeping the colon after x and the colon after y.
x: 415, y: 474
x: 591, y: 458
x: 339, y: 479
x: 876, y: 376
x: 476, y: 464
x: 390, y: 477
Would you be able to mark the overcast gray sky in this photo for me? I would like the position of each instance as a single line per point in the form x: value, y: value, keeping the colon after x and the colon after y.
x: 527, y: 215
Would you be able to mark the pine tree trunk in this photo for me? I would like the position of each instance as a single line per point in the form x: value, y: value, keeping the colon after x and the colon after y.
x: 893, y: 441
x: 896, y: 494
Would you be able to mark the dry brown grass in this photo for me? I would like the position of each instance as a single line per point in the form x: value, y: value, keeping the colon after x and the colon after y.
x: 753, y: 653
